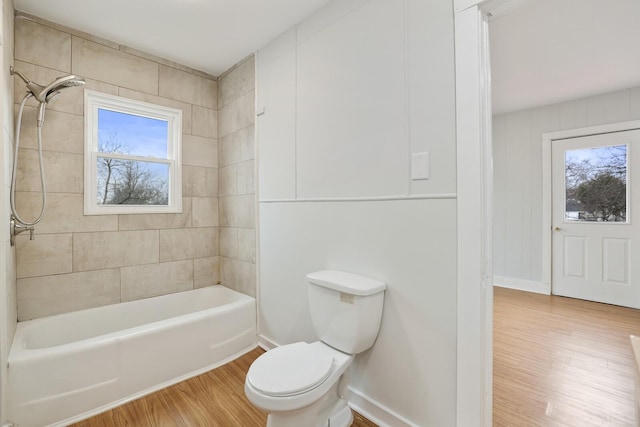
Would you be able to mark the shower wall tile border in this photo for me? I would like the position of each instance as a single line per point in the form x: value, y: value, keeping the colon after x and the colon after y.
x: 237, y: 202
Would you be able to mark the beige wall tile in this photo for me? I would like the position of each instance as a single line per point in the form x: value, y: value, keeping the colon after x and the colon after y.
x: 229, y: 242
x: 45, y: 296
x: 229, y: 150
x: 199, y: 151
x: 144, y: 281
x: 42, y: 45
x: 199, y: 182
x: 206, y: 272
x: 238, y: 275
x: 187, y: 87
x: 237, y: 211
x: 113, y: 66
x: 245, y: 110
x: 188, y: 243
x: 63, y: 172
x: 205, y: 211
x: 238, y: 82
x: 46, y: 254
x: 247, y: 245
x: 246, y: 143
x: 61, y: 131
x: 228, y: 184
x: 153, y: 99
x: 228, y: 119
x: 64, y: 213
x: 94, y: 251
x: 204, y: 122
x: 246, y: 177
x: 158, y: 221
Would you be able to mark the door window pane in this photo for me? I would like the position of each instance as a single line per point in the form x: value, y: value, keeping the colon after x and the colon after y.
x: 596, y: 184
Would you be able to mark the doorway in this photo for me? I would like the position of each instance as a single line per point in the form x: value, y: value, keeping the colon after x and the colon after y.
x: 594, y: 214
x: 473, y: 107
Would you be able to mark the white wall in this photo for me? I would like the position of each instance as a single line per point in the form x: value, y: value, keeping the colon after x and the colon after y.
x: 347, y: 96
x: 517, y: 148
x: 8, y: 305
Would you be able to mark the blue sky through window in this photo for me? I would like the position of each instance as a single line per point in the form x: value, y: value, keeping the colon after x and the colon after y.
x: 135, y: 135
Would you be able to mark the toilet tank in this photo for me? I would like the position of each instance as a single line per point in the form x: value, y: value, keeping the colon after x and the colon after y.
x: 346, y: 309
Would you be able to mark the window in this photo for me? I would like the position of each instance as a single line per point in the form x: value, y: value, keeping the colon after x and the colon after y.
x: 132, y: 156
x: 596, y: 184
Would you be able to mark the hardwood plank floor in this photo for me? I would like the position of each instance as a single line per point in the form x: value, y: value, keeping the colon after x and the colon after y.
x: 562, y: 362
x: 215, y: 398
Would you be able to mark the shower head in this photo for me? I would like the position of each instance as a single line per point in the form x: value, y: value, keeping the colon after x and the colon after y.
x: 47, y: 93
x: 44, y: 94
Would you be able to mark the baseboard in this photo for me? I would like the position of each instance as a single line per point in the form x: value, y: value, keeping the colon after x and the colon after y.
x: 522, y: 285
x: 266, y: 343
x: 369, y: 408
x: 376, y: 412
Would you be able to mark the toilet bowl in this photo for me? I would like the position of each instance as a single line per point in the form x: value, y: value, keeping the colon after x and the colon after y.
x: 301, y: 384
x: 306, y: 385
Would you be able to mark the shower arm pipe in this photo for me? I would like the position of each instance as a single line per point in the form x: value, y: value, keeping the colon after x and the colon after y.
x: 13, y: 71
x: 14, y: 213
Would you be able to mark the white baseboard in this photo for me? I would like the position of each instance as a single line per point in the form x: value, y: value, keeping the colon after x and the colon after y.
x: 266, y: 343
x: 522, y: 285
x: 376, y: 412
x: 372, y: 410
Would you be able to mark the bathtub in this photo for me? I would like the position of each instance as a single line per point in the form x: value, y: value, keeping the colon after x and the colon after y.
x: 68, y: 367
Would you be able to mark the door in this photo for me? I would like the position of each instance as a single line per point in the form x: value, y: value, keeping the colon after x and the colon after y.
x: 596, y: 218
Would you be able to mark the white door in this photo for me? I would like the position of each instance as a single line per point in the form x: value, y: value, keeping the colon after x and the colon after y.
x: 596, y: 218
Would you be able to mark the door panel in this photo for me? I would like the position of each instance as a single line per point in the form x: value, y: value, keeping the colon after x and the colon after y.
x: 596, y: 218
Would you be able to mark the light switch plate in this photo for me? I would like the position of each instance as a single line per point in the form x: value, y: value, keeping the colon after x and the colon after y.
x: 420, y: 166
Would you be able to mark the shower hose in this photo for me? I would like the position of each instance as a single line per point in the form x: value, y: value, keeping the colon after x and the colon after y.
x: 14, y: 211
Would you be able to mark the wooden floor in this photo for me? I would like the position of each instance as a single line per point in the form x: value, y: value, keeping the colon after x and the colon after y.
x: 562, y: 362
x: 213, y: 399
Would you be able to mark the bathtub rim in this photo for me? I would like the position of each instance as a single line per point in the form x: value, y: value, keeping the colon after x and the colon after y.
x: 19, y: 350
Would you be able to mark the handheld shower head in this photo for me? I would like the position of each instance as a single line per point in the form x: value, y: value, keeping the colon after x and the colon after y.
x: 44, y: 94
x: 51, y: 91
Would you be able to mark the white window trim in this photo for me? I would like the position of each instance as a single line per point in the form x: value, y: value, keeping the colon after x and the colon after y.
x: 92, y: 102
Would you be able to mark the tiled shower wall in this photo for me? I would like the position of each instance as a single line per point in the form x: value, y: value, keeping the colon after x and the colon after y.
x: 79, y: 261
x: 236, y: 99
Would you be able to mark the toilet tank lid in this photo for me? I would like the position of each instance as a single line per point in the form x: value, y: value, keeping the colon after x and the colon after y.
x: 349, y: 283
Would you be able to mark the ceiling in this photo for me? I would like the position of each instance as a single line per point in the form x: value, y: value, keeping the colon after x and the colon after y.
x: 548, y: 51
x: 207, y: 35
x: 542, y: 51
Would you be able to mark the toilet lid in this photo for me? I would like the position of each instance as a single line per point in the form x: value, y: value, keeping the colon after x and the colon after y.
x: 289, y: 370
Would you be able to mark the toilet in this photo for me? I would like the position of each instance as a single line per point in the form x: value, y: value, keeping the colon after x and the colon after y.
x: 304, y: 384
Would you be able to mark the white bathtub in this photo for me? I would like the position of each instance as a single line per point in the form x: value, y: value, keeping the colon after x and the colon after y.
x: 68, y: 367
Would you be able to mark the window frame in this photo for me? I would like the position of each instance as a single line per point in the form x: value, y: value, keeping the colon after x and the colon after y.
x: 93, y: 101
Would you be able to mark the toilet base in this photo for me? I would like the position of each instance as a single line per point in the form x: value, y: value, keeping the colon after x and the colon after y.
x: 332, y: 410
x: 340, y: 415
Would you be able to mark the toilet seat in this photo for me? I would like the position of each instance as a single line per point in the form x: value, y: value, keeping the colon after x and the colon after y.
x: 290, y: 370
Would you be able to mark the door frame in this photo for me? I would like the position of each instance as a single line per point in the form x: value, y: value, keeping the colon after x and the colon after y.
x: 474, y: 174
x: 547, y: 194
